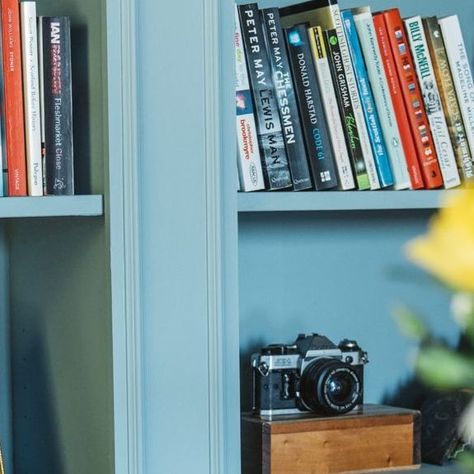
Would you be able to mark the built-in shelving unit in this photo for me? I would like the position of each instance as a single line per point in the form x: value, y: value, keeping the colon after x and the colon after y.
x: 51, y: 206
x: 339, y: 201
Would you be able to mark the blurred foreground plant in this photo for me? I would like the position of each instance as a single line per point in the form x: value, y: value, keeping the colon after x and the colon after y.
x: 447, y: 251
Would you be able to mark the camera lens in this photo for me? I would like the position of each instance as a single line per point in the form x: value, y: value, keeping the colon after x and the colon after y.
x: 330, y: 386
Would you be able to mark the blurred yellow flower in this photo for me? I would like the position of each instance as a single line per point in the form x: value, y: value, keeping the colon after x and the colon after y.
x: 447, y: 250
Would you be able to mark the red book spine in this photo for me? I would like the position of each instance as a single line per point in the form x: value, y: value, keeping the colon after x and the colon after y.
x: 14, y: 119
x: 409, y: 149
x: 413, y: 99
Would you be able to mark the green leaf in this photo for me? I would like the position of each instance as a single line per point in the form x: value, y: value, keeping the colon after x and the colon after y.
x: 410, y: 324
x: 443, y: 368
x: 466, y: 461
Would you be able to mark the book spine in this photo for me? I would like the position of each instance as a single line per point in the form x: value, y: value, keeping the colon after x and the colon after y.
x: 331, y: 108
x: 13, y: 87
x: 413, y: 100
x: 285, y: 94
x: 432, y: 101
x: 346, y: 109
x: 58, y: 130
x: 29, y: 42
x: 461, y: 71
x: 449, y: 98
x: 400, y: 112
x: 249, y: 164
x: 368, y: 104
x: 318, y: 144
x: 272, y: 146
x: 41, y: 59
x: 368, y: 41
x: 363, y: 133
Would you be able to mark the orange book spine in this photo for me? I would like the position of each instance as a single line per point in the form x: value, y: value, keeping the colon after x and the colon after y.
x: 13, y: 87
x: 409, y: 149
x: 411, y: 93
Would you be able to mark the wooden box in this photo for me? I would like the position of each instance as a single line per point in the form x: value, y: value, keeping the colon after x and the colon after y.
x: 373, y: 437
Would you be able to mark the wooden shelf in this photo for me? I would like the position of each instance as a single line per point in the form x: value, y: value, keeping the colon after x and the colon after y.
x: 431, y: 469
x: 339, y: 201
x: 51, y: 206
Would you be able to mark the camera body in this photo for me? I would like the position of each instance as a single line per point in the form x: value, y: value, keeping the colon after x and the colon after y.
x: 310, y: 375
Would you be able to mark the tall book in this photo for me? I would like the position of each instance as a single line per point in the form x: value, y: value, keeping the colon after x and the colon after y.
x: 286, y: 98
x: 432, y: 100
x: 13, y: 89
x: 368, y: 41
x: 411, y: 93
x: 346, y: 110
x: 449, y: 98
x: 249, y: 164
x: 328, y: 94
x: 58, y: 124
x: 326, y: 14
x: 31, y: 97
x: 313, y: 120
x: 368, y: 105
x: 272, y: 146
x: 461, y: 71
x: 395, y: 90
x: 41, y: 61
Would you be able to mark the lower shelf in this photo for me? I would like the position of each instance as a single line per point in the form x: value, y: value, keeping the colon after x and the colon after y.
x: 51, y: 206
x: 430, y: 469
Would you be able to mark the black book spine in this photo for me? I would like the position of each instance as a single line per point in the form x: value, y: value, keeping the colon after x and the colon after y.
x: 318, y: 142
x: 274, y: 157
x: 58, y: 106
x: 346, y: 109
x: 286, y: 98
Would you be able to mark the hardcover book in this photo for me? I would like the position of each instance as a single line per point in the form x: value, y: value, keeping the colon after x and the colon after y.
x: 286, y: 98
x: 449, y: 98
x: 58, y: 125
x: 249, y: 164
x: 398, y: 103
x: 13, y: 98
x: 432, y: 101
x: 368, y: 105
x: 346, y: 110
x: 368, y: 41
x: 29, y: 42
x: 326, y: 14
x: 411, y: 93
x: 331, y: 108
x: 313, y: 120
x: 272, y: 146
x: 461, y: 72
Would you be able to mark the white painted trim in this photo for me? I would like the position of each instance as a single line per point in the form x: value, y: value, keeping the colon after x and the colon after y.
x: 211, y: 48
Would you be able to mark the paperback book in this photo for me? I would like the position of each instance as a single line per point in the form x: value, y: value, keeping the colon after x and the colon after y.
x: 272, y: 146
x: 314, y: 124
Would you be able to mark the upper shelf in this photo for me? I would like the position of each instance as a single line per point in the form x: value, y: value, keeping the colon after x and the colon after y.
x: 51, y: 206
x: 339, y: 201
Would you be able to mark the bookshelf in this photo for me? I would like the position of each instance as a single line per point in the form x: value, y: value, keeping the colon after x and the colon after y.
x: 333, y: 263
x: 61, y: 285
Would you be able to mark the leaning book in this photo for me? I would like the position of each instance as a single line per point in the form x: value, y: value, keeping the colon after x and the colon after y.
x: 250, y: 167
x: 432, y: 100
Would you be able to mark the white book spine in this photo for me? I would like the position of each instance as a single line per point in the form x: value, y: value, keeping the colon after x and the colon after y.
x: 248, y: 152
x: 31, y: 92
x: 39, y: 24
x: 432, y: 101
x: 373, y: 60
x: 338, y: 141
x: 461, y: 71
x: 355, y: 99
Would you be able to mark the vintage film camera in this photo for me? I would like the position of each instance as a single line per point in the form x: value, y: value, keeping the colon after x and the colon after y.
x: 311, y: 375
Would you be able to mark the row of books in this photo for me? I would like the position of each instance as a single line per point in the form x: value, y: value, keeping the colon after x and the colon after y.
x: 329, y: 99
x: 36, y: 152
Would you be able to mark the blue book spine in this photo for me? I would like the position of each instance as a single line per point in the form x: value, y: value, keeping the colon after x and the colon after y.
x: 368, y: 104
